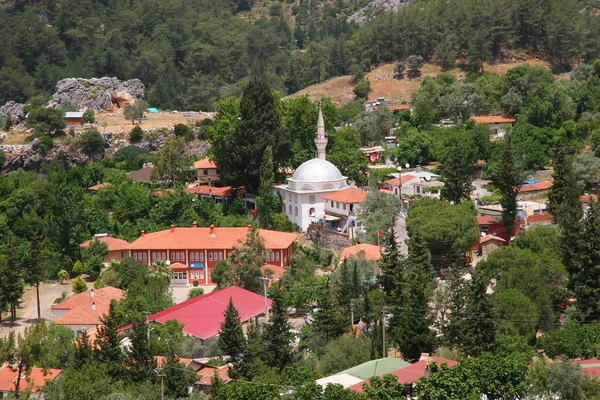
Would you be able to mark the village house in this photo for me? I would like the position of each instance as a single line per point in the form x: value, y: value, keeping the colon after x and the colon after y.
x: 530, y: 190
x: 143, y: 174
x: 207, y: 171
x: 363, y: 250
x: 413, y: 184
x: 193, y: 253
x: 84, y: 311
x: 489, y: 243
x: 118, y: 249
x: 480, y: 189
x: 219, y: 194
x: 74, y: 118
x: 202, y: 316
x: 499, y: 124
x: 341, y: 208
x: 33, y: 382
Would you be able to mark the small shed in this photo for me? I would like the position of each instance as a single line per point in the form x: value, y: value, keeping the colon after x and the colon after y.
x: 489, y: 243
x: 74, y: 118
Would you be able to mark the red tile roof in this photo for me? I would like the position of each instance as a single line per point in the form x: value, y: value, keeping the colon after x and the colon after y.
x: 494, y: 119
x: 114, y: 244
x: 397, y: 182
x: 202, y: 316
x: 277, y: 271
x: 166, y: 192
x: 367, y: 251
x: 34, y: 381
x: 207, y: 373
x: 161, y: 360
x: 537, y: 218
x: 486, y: 220
x: 201, y: 238
x: 411, y: 373
x: 589, y: 368
x: 388, y: 191
x: 205, y: 163
x: 98, y: 187
x: 532, y: 187
x: 588, y: 198
x: 141, y: 175
x: 348, y: 195
x: 81, y: 306
x: 226, y: 191
x: 487, y: 238
x: 400, y: 107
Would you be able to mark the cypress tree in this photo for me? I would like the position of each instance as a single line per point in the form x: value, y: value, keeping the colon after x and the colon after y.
x: 108, y: 342
x: 231, y: 337
x: 457, y: 175
x: 277, y: 333
x: 457, y: 300
x: 479, y: 324
x: 140, y: 362
x: 267, y: 201
x: 177, y: 378
x: 390, y: 265
x: 563, y: 199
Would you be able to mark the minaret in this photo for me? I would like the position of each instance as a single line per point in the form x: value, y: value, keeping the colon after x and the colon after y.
x: 321, y: 140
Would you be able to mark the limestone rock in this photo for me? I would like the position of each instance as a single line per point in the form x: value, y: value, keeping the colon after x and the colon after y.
x: 97, y: 93
x: 16, y: 112
x: 375, y: 7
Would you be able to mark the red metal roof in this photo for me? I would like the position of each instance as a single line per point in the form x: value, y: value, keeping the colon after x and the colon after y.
x: 114, y: 244
x: 494, y: 119
x: 532, y: 187
x: 34, y: 381
x: 205, y: 163
x: 201, y: 238
x: 348, y: 195
x: 366, y: 251
x: 202, y: 316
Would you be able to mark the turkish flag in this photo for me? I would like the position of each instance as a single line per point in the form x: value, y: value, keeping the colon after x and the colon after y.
x: 380, y: 233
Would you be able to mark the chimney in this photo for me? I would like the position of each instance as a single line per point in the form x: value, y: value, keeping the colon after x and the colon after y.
x: 93, y: 306
x: 212, y: 229
x: 194, y: 224
x: 249, y: 228
x: 172, y: 228
x: 92, y: 293
x: 143, y: 233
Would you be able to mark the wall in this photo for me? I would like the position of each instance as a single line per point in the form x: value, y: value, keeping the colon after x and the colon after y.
x: 115, y: 256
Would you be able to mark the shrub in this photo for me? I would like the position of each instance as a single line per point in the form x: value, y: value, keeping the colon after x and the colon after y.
x: 77, y: 268
x: 89, y: 116
x: 92, y: 142
x: 362, y: 89
x: 132, y: 157
x: 79, y: 285
x: 62, y: 296
x: 275, y: 10
x: 98, y: 284
x: 182, y: 130
x: 62, y: 275
x: 46, y: 143
x: 195, y: 292
x: 136, y: 134
x: 415, y: 63
x: 400, y: 68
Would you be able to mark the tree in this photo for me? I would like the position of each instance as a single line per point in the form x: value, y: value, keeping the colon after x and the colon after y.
x: 415, y: 63
x: 507, y: 177
x: 92, y: 142
x: 135, y: 111
x: 36, y: 268
x: 77, y: 268
x: 46, y: 121
x: 11, y: 275
x: 377, y: 214
x: 93, y: 256
x: 412, y: 315
x: 457, y: 175
x: 79, y: 285
x: 454, y: 303
x: 267, y: 201
x: 479, y: 323
x: 178, y: 379
x: 245, y: 263
x: 140, y: 361
x: 277, y: 332
x: 564, y: 378
x: 89, y: 116
x: 195, y: 292
x: 184, y: 131
x: 563, y: 199
x: 136, y: 134
x: 362, y: 89
x: 343, y: 353
x: 400, y: 68
x: 172, y: 160
x: 231, y: 336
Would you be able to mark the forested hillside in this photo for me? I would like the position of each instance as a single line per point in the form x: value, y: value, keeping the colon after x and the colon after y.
x: 191, y: 53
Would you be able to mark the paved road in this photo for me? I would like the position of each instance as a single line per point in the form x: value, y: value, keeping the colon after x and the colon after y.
x: 401, y: 234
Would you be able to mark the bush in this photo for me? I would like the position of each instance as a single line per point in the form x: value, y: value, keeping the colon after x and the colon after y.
x: 195, y: 292
x: 132, y: 157
x: 46, y: 143
x: 111, y: 278
x: 79, y: 285
x: 2, y: 157
x: 62, y: 296
x: 400, y: 68
x: 184, y: 131
x: 62, y: 275
x: 98, y: 284
x: 136, y: 134
x: 89, y: 116
x: 275, y: 10
x: 92, y: 142
x: 77, y: 268
x: 415, y: 63
x: 362, y: 89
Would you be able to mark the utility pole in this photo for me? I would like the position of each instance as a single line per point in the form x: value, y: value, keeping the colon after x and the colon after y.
x: 383, y: 333
x: 351, y: 313
x: 147, y: 324
x: 264, y: 280
x: 162, y: 384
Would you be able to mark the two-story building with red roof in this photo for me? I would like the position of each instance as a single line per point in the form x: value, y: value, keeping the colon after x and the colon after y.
x: 192, y: 253
x: 118, y: 249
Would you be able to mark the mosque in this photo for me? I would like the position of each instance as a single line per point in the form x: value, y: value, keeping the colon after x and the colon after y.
x: 316, y: 188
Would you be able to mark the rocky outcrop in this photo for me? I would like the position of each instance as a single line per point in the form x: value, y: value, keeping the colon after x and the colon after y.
x: 14, y: 111
x: 375, y: 7
x: 97, y: 93
x: 31, y: 158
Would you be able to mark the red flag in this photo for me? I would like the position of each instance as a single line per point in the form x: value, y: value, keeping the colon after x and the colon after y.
x: 380, y: 233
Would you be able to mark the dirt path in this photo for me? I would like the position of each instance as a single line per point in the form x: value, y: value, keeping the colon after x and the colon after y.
x: 27, y: 311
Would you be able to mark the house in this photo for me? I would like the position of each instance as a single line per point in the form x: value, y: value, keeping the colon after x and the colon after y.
x: 399, y: 108
x: 84, y: 310
x: 272, y: 272
x: 202, y: 316
x: 208, y: 173
x: 207, y: 372
x: 489, y: 243
x: 118, y: 249
x: 219, y: 194
x: 74, y: 118
x: 358, y: 374
x: 33, y: 382
x: 143, y: 174
x: 341, y: 208
x: 480, y: 188
x: 589, y: 368
x: 198, y: 250
x: 499, y: 124
x: 411, y: 373
x: 363, y: 250
x: 530, y: 190
x: 417, y: 183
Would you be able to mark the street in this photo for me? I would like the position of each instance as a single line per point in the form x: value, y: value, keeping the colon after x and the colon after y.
x: 401, y: 234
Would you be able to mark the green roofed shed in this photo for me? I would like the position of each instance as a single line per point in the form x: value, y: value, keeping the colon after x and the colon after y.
x: 377, y: 367
x: 153, y: 110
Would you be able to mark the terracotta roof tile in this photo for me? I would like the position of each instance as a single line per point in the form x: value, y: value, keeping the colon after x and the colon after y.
x: 205, y: 163
x: 98, y: 187
x: 532, y: 187
x: 141, y: 175
x: 399, y: 107
x: 34, y: 381
x: 588, y: 198
x: 207, y: 373
x: 201, y: 238
x: 536, y: 218
x: 494, y: 119
x: 397, y: 182
x: 487, y: 238
x: 81, y: 306
x: 277, y: 271
x: 486, y: 220
x: 114, y: 244
x: 226, y: 191
x: 367, y: 251
x: 348, y: 195
x: 387, y: 191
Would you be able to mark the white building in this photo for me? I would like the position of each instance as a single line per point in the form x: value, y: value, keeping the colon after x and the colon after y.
x: 302, y: 197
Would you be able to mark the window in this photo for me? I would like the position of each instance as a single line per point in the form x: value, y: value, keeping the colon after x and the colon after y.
x: 145, y: 256
x: 210, y: 256
x: 153, y: 255
x: 337, y: 205
x: 311, y: 199
x: 123, y: 254
x: 201, y: 256
x: 220, y: 255
x: 135, y: 255
x: 283, y: 194
x: 344, y: 206
x: 277, y: 256
x: 331, y: 203
x: 418, y: 189
x: 172, y: 256
x: 312, y: 213
x: 290, y: 210
x: 296, y: 211
x: 295, y: 198
x: 192, y: 256
x: 201, y: 274
x: 205, y: 172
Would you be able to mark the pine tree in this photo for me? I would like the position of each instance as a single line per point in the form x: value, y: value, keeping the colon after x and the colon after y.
x: 140, y: 361
x: 277, y: 332
x: 563, y: 199
x: 479, y: 324
x: 12, y: 285
x: 84, y: 351
x: 390, y: 265
x: 457, y: 290
x: 231, y: 337
x: 457, y: 175
x: 177, y: 378
x: 330, y: 320
x: 412, y: 315
x: 107, y: 347
x: 267, y: 201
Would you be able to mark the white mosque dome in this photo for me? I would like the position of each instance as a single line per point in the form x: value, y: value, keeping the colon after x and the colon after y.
x: 317, y: 170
